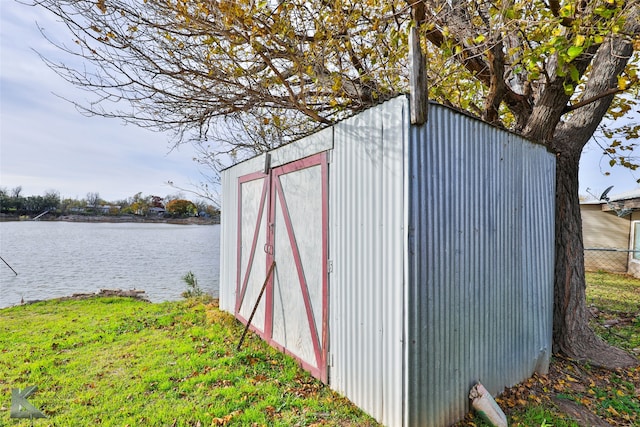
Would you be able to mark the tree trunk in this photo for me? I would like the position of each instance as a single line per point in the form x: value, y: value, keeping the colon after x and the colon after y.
x: 572, y: 335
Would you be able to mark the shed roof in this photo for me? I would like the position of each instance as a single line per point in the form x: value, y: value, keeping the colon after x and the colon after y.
x: 431, y: 103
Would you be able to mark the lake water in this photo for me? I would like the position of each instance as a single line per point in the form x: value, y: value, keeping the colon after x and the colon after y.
x: 56, y: 259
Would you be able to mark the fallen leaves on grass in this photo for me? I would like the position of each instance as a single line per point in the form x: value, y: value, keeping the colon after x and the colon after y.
x: 223, y: 421
x: 305, y: 387
x: 592, y: 393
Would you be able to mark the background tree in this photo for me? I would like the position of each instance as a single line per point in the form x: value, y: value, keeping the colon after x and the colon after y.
x: 253, y: 73
x: 72, y: 206
x: 243, y: 76
x: 51, y: 199
x: 15, y: 192
x: 156, y: 202
x: 15, y: 201
x: 52, y: 202
x: 139, y: 205
x: 125, y: 207
x: 33, y: 205
x: 4, y: 200
x: 181, y: 208
x: 15, y: 204
x: 203, y: 207
x: 93, y: 202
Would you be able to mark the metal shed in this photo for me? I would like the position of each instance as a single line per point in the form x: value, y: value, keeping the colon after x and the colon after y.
x: 411, y: 261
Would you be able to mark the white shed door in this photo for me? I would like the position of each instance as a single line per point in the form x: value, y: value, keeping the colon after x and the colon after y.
x: 283, y: 217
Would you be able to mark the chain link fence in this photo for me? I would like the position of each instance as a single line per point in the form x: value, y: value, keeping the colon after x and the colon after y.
x: 612, y: 260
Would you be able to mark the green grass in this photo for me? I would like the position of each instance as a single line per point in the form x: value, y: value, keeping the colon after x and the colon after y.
x: 119, y: 362
x: 613, y: 292
x: 617, y: 298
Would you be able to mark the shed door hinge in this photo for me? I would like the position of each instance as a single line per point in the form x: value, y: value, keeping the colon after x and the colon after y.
x: 329, y: 266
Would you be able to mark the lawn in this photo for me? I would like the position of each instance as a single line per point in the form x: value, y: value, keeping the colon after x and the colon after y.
x: 124, y: 362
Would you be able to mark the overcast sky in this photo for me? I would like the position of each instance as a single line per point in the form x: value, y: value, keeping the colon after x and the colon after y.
x: 45, y: 144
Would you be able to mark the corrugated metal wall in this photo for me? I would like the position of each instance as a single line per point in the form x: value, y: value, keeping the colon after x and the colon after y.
x: 481, y: 263
x: 367, y: 242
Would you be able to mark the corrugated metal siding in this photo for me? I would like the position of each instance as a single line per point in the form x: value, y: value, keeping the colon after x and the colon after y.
x: 367, y: 250
x: 481, y: 263
x: 227, y: 215
x: 367, y: 222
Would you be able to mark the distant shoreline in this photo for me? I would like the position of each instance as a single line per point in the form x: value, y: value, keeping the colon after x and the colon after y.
x: 115, y: 218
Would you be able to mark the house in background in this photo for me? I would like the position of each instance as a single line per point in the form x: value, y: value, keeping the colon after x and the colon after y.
x: 156, y: 211
x: 611, y: 233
